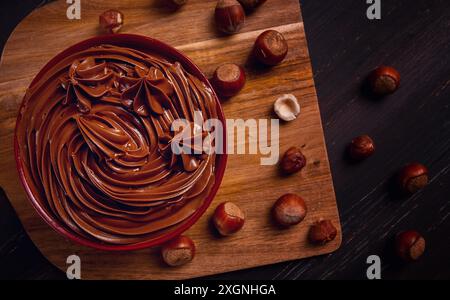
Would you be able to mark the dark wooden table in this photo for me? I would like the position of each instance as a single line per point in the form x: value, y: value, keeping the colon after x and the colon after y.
x: 411, y: 125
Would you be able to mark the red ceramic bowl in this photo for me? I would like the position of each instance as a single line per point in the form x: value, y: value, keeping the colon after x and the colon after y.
x: 144, y: 44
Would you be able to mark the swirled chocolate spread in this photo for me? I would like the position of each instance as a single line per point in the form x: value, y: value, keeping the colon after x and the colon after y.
x: 95, y: 139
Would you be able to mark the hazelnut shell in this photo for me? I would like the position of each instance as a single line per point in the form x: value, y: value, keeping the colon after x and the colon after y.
x: 384, y: 80
x: 229, y: 16
x: 361, y: 147
x: 270, y: 48
x: 228, y: 218
x: 228, y: 80
x: 413, y: 177
x: 178, y: 251
x: 288, y: 210
x: 409, y: 245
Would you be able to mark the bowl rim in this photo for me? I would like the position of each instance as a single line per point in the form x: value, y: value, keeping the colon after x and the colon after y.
x: 157, y: 46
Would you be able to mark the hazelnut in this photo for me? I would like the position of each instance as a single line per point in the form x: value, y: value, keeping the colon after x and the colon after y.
x: 409, y: 245
x: 111, y: 20
x: 228, y: 218
x: 384, y: 80
x: 289, y: 209
x: 293, y: 161
x: 286, y: 107
x: 229, y: 16
x: 270, y: 48
x: 361, y: 147
x: 250, y: 5
x: 413, y: 177
x: 228, y: 80
x: 322, y: 232
x: 178, y: 251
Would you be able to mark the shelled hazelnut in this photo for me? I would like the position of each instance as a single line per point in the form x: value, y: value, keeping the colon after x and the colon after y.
x: 384, y: 80
x: 178, y: 251
x: 361, y: 147
x: 289, y: 209
x: 228, y: 218
x: 292, y: 161
x: 228, y: 80
x: 409, y: 245
x: 287, y: 107
x: 111, y: 21
x: 413, y: 177
x: 270, y: 48
x: 229, y: 16
x: 322, y: 232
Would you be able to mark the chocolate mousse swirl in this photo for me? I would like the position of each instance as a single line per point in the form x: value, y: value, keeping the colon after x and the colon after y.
x: 95, y: 137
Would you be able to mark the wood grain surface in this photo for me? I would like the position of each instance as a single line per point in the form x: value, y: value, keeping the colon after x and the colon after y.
x: 252, y: 186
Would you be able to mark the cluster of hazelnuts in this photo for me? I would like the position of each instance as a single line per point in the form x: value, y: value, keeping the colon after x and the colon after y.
x: 270, y: 47
x: 412, y: 177
x: 229, y: 15
x: 382, y: 81
x: 290, y: 209
x: 228, y: 218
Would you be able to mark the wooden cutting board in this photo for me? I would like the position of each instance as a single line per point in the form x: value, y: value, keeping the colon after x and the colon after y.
x: 47, y: 31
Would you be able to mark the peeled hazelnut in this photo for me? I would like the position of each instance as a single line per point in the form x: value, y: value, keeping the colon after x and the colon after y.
x: 361, y: 147
x: 322, y: 232
x: 384, y: 80
x: 286, y: 107
x: 111, y: 20
x: 413, y: 177
x: 250, y: 5
x: 293, y: 161
x: 229, y: 16
x: 409, y: 245
x: 228, y: 80
x: 228, y: 218
x: 270, y: 48
x: 178, y: 251
x: 289, y: 210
